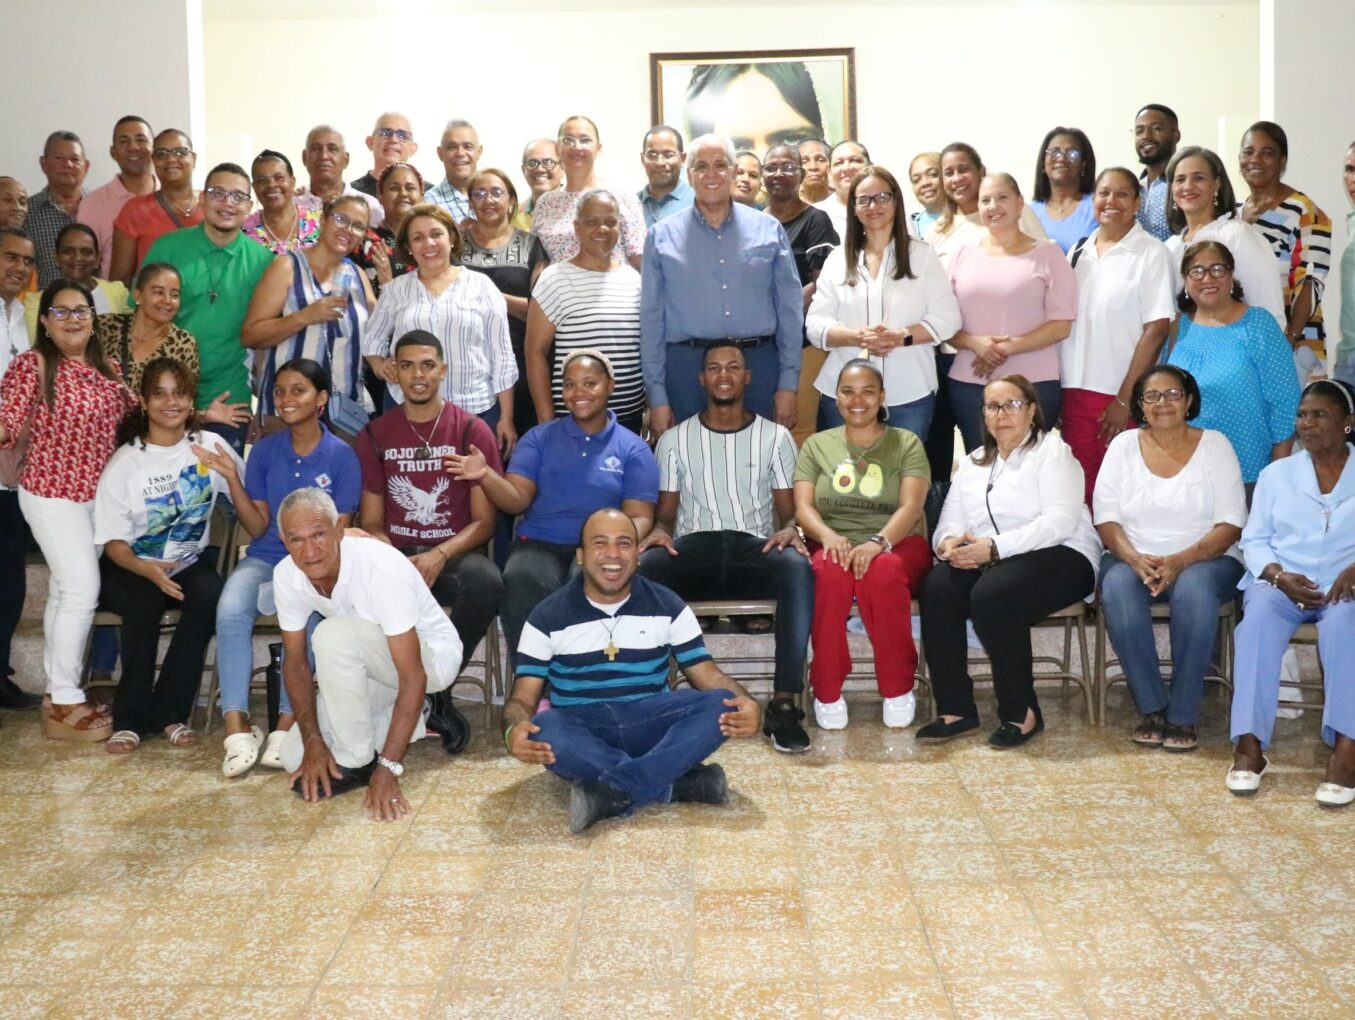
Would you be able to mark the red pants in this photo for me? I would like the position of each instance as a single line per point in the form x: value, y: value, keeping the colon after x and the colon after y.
x: 884, y: 596
x: 1081, y: 431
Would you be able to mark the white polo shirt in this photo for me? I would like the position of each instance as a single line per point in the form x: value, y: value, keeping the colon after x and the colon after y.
x: 378, y: 584
x: 1118, y: 293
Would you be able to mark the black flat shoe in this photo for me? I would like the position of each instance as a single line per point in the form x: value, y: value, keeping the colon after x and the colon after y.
x: 350, y: 779
x: 591, y: 802
x: 15, y: 698
x: 447, y: 722
x: 938, y: 731
x: 1009, y: 735
x: 703, y: 784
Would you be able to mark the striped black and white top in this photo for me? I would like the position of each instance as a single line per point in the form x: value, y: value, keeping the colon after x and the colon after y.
x: 597, y: 310
x: 470, y: 317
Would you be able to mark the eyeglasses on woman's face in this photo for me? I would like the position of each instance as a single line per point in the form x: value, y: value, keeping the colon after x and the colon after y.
x: 881, y: 198
x: 480, y: 194
x: 994, y: 408
x: 576, y: 141
x: 1218, y: 271
x: 345, y: 222
x: 80, y: 313
x: 1173, y: 396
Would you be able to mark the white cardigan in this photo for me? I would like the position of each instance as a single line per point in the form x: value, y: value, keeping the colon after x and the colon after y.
x: 1035, y: 497
x: 909, y: 372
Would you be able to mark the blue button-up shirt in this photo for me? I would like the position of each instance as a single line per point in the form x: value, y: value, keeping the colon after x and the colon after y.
x: 1292, y: 525
x: 659, y: 208
x: 1153, y: 206
x: 455, y: 202
x: 700, y: 282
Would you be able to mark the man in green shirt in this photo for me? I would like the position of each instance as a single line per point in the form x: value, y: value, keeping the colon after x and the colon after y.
x: 218, y: 269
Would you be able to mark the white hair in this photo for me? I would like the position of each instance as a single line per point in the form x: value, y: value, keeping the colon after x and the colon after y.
x: 457, y: 122
x: 309, y: 499
x: 722, y: 142
x: 595, y: 195
x: 328, y: 129
x: 535, y: 142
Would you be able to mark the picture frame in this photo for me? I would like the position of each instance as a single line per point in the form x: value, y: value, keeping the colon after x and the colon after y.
x: 759, y: 98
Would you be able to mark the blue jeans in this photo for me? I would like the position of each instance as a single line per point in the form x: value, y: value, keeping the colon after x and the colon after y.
x: 915, y: 416
x: 731, y: 565
x: 236, y: 612
x: 640, y: 747
x: 1195, y: 599
x: 966, y: 400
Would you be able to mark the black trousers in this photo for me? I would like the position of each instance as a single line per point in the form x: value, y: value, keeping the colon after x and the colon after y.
x: 1004, y: 602
x: 471, y: 587
x: 13, y: 572
x: 534, y: 570
x: 144, y: 704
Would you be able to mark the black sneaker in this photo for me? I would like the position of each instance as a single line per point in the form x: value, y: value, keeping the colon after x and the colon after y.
x: 704, y: 784
x: 15, y: 698
x: 447, y: 722
x: 781, y: 725
x: 592, y: 802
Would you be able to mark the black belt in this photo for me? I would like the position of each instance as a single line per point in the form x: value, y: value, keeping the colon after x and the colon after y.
x: 746, y: 343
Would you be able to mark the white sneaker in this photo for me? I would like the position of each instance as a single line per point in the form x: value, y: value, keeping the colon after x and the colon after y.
x: 899, y: 712
x: 832, y: 716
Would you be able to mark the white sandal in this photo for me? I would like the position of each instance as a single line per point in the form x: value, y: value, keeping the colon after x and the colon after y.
x: 124, y: 737
x: 271, y: 758
x: 1243, y: 782
x: 242, y: 751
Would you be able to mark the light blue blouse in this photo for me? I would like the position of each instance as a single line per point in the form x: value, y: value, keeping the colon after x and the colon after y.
x: 1294, y: 525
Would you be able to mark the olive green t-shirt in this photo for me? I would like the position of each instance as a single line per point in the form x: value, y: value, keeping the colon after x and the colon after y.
x: 857, y: 491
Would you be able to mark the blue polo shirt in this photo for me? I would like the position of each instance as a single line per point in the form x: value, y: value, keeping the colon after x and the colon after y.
x: 274, y: 471
x: 676, y: 200
x: 577, y: 474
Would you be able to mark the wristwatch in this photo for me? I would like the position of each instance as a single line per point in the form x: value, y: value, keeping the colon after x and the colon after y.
x: 393, y: 767
x: 882, y: 542
x: 908, y: 339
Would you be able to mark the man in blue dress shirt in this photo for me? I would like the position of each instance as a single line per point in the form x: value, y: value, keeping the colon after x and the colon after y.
x: 666, y: 193
x: 713, y: 274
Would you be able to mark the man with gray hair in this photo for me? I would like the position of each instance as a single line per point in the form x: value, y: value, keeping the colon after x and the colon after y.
x: 56, y: 206
x: 391, y: 141
x: 459, y: 151
x: 383, y: 646
x: 325, y: 158
x: 718, y: 274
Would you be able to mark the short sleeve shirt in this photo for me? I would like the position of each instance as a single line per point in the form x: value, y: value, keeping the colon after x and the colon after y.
x: 857, y: 491
x: 274, y: 471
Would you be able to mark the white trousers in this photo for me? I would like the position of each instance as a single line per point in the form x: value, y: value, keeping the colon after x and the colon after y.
x: 358, y: 684
x: 64, y: 531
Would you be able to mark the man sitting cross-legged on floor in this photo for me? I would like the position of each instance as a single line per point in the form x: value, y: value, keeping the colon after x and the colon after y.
x: 602, y: 643
x: 726, y: 483
x: 384, y: 644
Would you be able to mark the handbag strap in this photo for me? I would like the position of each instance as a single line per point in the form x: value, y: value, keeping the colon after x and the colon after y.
x: 170, y: 211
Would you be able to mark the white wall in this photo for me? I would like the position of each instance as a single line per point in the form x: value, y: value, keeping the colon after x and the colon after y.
x: 79, y: 65
x: 1025, y: 68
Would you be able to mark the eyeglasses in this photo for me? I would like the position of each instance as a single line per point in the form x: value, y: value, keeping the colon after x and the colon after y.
x: 1010, y: 406
x: 480, y: 194
x: 400, y: 134
x: 654, y: 155
x: 882, y: 198
x: 1071, y: 155
x: 178, y: 152
x: 1218, y: 271
x: 345, y: 222
x: 1172, y: 396
x: 772, y: 169
x: 80, y: 313
x: 576, y: 141
x: 540, y: 164
x: 223, y: 195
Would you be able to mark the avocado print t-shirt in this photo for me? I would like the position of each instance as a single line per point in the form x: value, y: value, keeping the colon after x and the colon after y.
x: 857, y: 490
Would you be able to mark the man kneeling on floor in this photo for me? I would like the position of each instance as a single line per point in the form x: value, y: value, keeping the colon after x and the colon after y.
x: 602, y: 644
x: 383, y: 645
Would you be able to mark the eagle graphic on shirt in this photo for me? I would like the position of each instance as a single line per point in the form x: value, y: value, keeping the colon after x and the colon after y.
x: 421, y: 506
x: 177, y: 509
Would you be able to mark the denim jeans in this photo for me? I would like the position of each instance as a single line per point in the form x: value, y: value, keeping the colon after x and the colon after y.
x: 640, y: 747
x: 915, y: 416
x: 1195, y: 599
x: 732, y: 565
x: 966, y: 400
x: 236, y: 612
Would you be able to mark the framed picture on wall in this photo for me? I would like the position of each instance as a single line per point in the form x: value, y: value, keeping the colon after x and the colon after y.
x: 759, y: 98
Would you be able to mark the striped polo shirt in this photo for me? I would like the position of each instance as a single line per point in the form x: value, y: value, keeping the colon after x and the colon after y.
x: 567, y: 638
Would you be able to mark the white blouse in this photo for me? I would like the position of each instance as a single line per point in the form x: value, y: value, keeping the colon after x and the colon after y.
x: 1253, y: 261
x: 1165, y: 515
x: 1034, y: 499
x: 909, y: 372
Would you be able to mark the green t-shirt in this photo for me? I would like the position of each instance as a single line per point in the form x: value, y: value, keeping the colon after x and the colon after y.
x: 855, y: 491
x: 231, y: 273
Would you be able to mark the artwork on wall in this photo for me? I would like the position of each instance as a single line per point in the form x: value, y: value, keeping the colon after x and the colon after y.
x: 759, y: 98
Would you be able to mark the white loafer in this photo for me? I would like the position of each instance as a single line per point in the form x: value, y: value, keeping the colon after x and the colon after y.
x: 1242, y: 782
x: 1334, y: 795
x: 831, y: 716
x: 242, y: 751
x: 899, y: 712
x: 271, y: 758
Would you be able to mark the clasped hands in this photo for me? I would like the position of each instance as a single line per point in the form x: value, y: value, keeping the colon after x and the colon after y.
x: 966, y: 552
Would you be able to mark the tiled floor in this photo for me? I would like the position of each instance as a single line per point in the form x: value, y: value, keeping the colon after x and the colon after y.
x: 1079, y: 876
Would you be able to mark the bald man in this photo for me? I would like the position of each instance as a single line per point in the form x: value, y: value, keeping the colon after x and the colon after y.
x: 391, y: 141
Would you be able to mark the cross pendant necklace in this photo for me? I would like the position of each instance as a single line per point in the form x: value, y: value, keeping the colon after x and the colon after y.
x: 611, y: 651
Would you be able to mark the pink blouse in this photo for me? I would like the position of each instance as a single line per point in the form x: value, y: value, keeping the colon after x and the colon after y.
x: 553, y: 224
x: 1008, y: 295
x: 70, y: 443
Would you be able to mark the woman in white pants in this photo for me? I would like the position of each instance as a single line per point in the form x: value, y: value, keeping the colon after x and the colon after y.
x: 72, y: 398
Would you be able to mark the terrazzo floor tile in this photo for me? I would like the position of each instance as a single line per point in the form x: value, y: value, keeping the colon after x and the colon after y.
x: 1161, y: 992
x: 784, y: 998
x: 606, y: 1000
x: 885, y: 998
x: 1010, y: 998
x: 628, y: 957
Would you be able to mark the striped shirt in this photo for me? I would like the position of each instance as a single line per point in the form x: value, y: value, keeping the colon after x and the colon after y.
x: 567, y: 638
x: 470, y: 317
x: 724, y: 480
x: 597, y: 310
x: 1299, y: 234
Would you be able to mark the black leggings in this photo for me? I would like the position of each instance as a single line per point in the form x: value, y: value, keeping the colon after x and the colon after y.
x: 1004, y: 602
